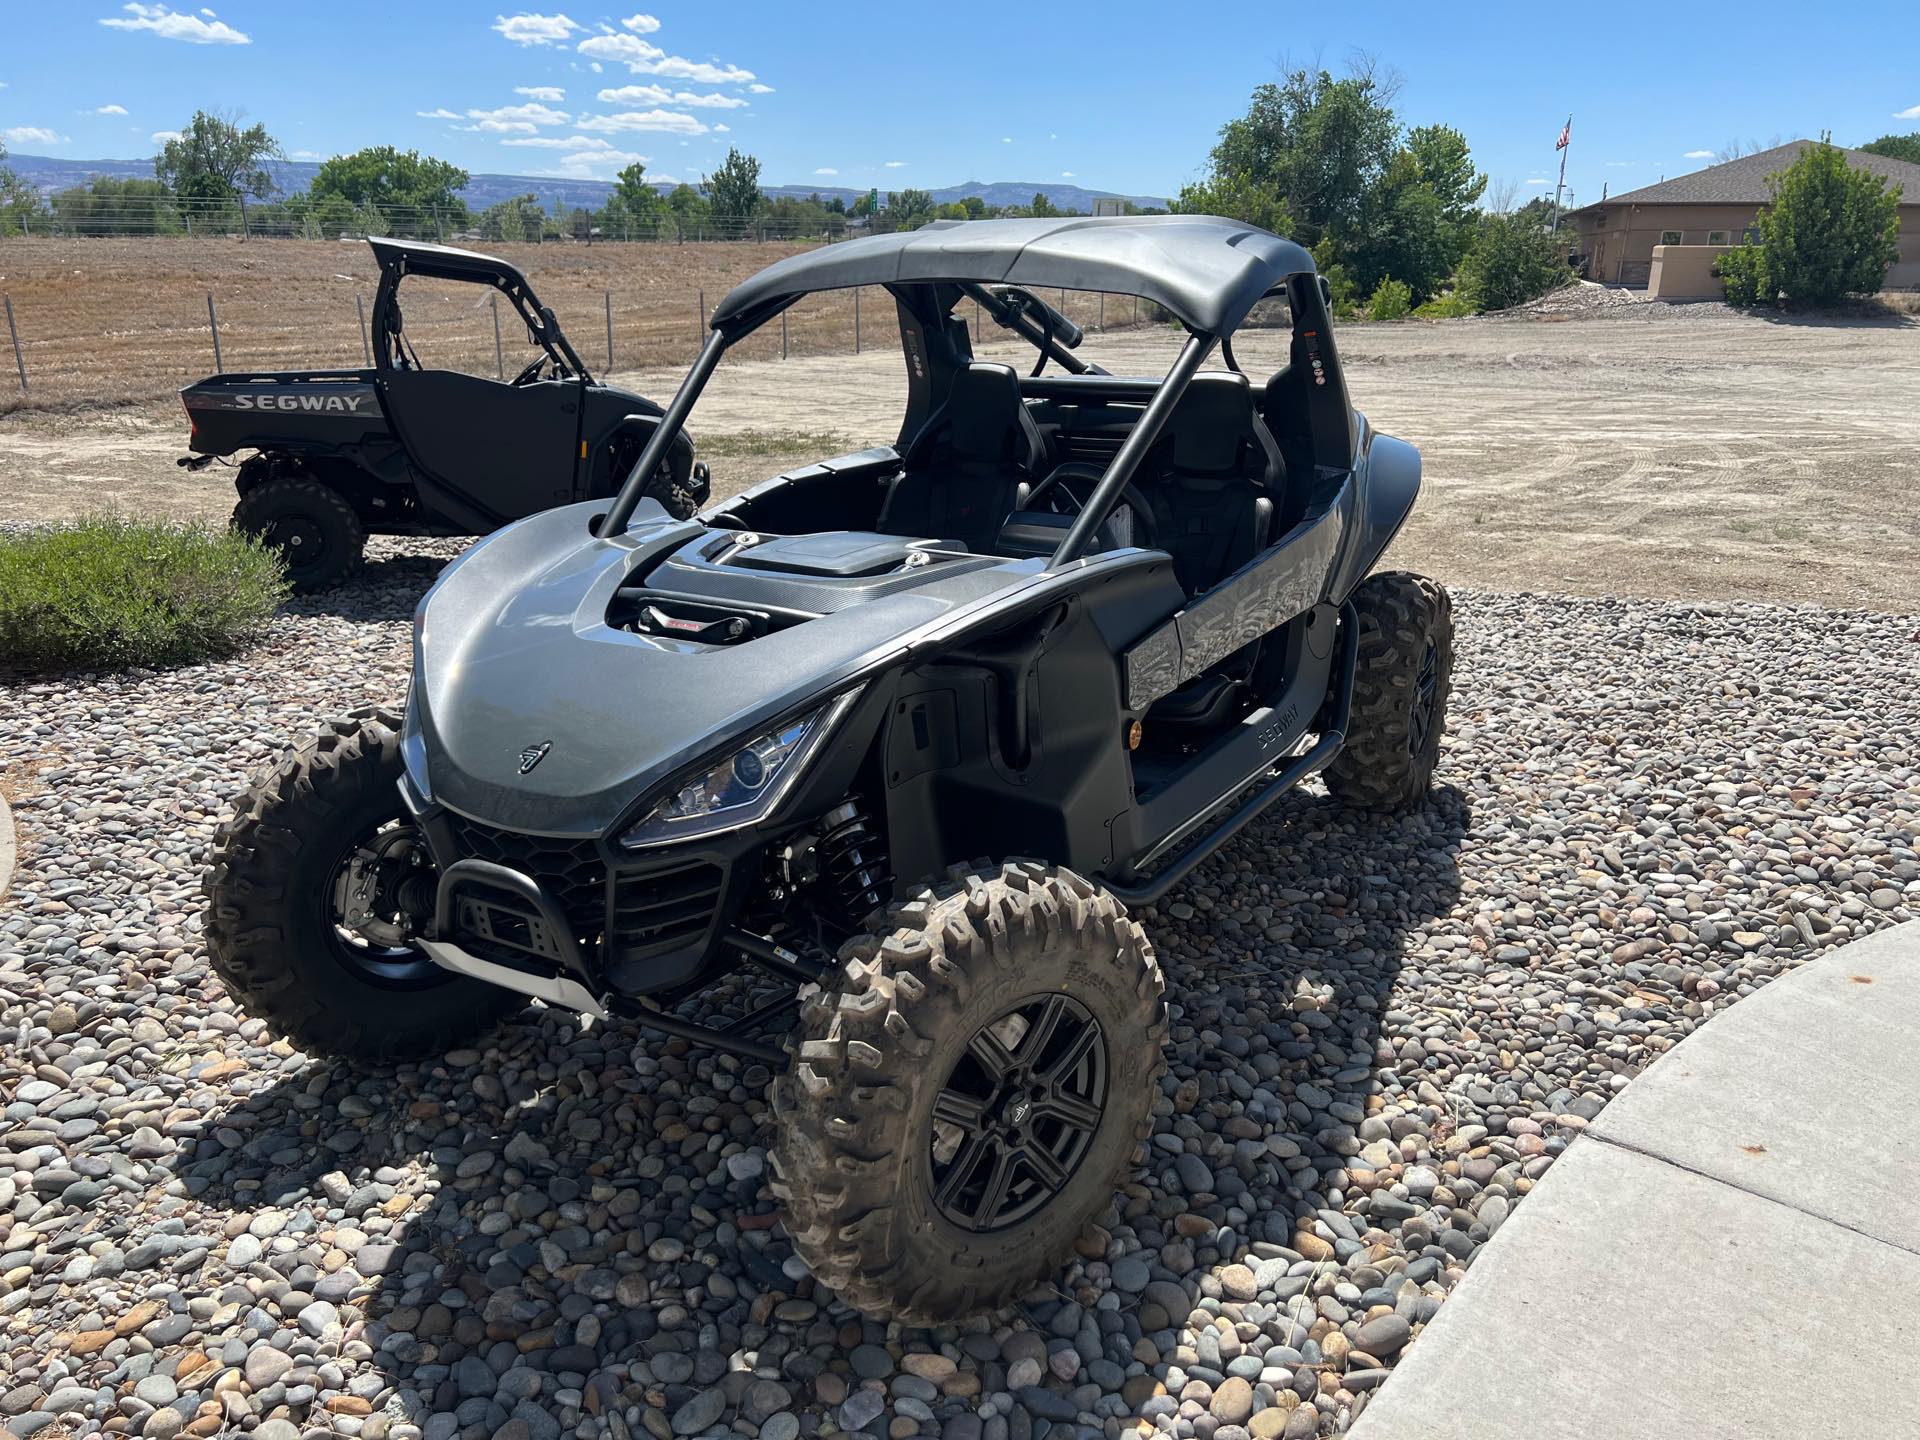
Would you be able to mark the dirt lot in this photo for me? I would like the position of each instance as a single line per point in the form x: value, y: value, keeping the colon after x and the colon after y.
x: 1681, y: 452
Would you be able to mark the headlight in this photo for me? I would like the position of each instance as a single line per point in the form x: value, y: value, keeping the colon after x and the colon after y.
x: 742, y: 788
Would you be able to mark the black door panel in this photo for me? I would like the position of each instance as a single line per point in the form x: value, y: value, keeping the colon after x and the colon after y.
x: 509, y: 450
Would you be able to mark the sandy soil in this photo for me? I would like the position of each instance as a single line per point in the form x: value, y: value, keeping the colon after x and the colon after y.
x: 1668, y: 452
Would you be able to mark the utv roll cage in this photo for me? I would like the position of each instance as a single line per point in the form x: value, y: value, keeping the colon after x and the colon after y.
x: 1208, y: 273
x: 401, y: 258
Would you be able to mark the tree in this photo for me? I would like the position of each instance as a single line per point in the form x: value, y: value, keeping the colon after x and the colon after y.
x: 1313, y: 143
x: 1897, y: 147
x: 420, y: 188
x: 117, y: 207
x: 689, y: 206
x: 1513, y: 260
x: 634, y: 197
x: 19, y: 201
x: 909, y: 209
x: 1042, y: 208
x: 520, y: 218
x: 733, y: 190
x: 1830, y: 231
x: 213, y: 159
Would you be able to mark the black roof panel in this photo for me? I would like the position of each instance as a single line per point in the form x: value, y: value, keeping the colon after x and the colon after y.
x: 1207, y: 271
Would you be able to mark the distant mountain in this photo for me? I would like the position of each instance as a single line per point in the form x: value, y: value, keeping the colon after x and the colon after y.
x: 48, y: 173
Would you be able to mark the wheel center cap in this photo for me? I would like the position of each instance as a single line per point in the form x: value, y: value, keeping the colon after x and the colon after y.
x: 1018, y: 1110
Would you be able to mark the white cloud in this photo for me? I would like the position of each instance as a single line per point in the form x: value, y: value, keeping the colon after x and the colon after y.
x: 666, y: 121
x: 1006, y: 139
x: 826, y: 170
x: 644, y: 58
x: 1066, y: 175
x: 540, y: 92
x: 304, y: 155
x: 536, y: 29
x: 559, y: 142
x: 1538, y: 180
x: 641, y: 24
x: 598, y: 164
x: 758, y: 89
x: 1699, y: 155
x: 441, y: 114
x: 111, y: 110
x: 723, y: 129
x: 515, y: 119
x: 171, y: 25
x: 895, y: 164
x: 1621, y: 164
x: 161, y: 137
x: 1912, y: 112
x: 660, y: 95
x: 32, y: 135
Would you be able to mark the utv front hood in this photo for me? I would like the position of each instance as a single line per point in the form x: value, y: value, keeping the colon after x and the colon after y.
x: 513, y: 652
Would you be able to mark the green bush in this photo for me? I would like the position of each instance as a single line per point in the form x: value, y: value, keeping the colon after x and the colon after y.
x: 1390, y: 300
x: 1514, y: 259
x: 1831, y: 229
x: 1743, y: 272
x: 1450, y: 306
x: 112, y: 591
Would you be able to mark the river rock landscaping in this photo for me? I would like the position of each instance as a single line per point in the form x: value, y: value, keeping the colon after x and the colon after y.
x: 1384, y: 1032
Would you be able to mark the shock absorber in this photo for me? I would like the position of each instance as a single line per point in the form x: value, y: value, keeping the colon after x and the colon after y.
x: 852, y: 861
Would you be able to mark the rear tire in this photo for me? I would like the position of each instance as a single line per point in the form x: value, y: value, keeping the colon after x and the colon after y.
x: 316, y: 532
x: 886, y: 1201
x: 1403, y: 674
x: 272, y: 932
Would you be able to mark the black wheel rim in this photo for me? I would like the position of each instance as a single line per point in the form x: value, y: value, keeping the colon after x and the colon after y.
x: 1426, y: 690
x: 300, y: 540
x: 362, y: 907
x: 1018, y: 1113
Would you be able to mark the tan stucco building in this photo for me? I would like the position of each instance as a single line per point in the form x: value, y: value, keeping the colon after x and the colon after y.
x: 1711, y: 210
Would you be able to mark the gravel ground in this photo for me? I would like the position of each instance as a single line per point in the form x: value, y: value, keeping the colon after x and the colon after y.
x: 1384, y: 1033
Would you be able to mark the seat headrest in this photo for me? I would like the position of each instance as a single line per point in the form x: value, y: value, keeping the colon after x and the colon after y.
x: 1212, y: 424
x: 985, y: 417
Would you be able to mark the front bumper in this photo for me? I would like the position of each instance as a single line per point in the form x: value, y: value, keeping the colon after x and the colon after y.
x: 583, y: 917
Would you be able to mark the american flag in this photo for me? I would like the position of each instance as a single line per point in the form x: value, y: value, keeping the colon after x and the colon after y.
x: 1566, y: 134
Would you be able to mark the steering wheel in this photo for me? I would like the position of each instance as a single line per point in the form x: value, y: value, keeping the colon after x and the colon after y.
x: 532, y: 371
x: 1130, y: 495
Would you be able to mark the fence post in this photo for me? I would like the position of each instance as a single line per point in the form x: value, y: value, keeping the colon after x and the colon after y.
x: 19, y: 359
x: 1101, y: 323
x: 213, y: 319
x: 783, y: 334
x: 856, y: 320
x: 438, y: 234
x: 976, y: 322
x: 700, y: 323
x: 366, y: 338
x: 609, y: 298
x: 499, y: 356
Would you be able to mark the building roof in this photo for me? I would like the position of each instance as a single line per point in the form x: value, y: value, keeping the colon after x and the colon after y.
x: 1207, y: 271
x: 1744, y: 181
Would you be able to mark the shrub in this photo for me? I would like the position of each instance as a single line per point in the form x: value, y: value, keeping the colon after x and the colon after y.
x: 1390, y: 300
x: 1831, y: 230
x: 1743, y: 272
x: 111, y: 591
x: 1450, y: 306
x: 1514, y: 259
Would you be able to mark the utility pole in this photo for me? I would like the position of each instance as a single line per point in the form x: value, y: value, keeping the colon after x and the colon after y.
x: 1566, y: 144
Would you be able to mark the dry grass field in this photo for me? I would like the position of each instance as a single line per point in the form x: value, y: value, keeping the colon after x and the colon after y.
x: 1647, y: 450
x: 111, y: 321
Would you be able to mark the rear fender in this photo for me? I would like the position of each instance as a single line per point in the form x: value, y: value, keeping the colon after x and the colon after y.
x: 1386, y: 483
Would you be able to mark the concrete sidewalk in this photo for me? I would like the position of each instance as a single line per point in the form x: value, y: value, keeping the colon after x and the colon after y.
x: 1732, y: 1249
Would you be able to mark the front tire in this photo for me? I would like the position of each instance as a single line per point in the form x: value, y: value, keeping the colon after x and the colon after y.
x: 967, y: 1096
x: 1403, y: 674
x: 316, y: 533
x: 275, y: 933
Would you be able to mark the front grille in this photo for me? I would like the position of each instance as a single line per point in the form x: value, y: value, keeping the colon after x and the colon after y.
x: 662, y: 910
x: 568, y: 870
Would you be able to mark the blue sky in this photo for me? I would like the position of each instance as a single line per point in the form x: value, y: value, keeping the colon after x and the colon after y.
x: 1116, y: 96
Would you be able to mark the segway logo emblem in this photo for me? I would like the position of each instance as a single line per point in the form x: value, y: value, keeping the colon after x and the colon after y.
x: 1019, y: 1110
x: 533, y: 755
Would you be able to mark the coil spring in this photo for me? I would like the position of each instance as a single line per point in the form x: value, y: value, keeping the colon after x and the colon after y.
x: 853, y: 864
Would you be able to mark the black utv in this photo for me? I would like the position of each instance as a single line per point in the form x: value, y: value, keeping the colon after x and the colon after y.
x: 905, y: 733
x: 404, y: 449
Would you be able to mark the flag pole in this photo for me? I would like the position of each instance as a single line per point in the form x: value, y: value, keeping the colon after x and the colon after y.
x: 1559, y: 188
